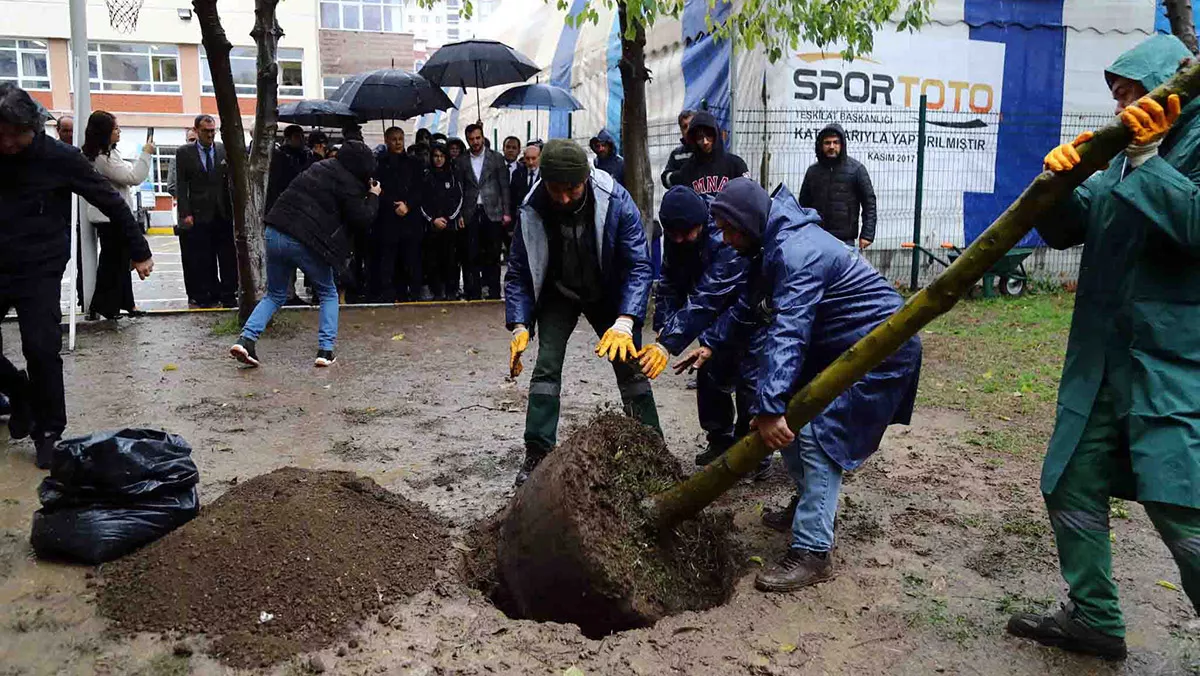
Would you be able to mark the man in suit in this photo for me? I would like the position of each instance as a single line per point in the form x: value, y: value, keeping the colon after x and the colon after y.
x: 523, y: 178
x: 486, y: 213
x: 205, y: 225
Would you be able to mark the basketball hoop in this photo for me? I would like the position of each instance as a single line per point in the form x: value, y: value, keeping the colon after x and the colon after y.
x: 123, y: 14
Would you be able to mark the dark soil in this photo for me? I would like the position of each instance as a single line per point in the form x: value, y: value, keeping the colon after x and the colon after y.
x: 577, y: 547
x: 313, y: 549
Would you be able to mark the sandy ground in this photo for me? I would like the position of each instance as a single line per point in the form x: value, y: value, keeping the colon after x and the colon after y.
x: 938, y: 539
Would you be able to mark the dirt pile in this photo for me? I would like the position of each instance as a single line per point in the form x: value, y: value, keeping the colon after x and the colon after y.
x: 278, y: 565
x: 577, y: 547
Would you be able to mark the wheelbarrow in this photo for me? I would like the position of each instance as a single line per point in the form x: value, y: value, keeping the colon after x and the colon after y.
x: 1008, y: 275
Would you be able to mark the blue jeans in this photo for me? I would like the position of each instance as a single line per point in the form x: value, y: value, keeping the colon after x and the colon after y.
x: 818, y: 482
x: 284, y: 255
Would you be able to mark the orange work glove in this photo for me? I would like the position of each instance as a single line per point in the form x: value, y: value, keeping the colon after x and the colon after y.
x: 1148, y: 121
x: 1065, y: 157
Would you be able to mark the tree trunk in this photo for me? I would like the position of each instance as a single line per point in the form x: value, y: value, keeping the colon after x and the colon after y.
x: 686, y: 499
x: 247, y: 177
x: 639, y: 179
x: 1179, y: 13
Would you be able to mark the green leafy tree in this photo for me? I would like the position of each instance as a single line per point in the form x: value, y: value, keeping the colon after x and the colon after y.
x: 776, y: 26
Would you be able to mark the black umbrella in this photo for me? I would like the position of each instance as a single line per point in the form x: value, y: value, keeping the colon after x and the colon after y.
x: 390, y: 94
x: 537, y: 97
x: 478, y: 64
x: 317, y: 113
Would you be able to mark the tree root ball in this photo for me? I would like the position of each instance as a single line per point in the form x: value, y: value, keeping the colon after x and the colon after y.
x: 576, y: 545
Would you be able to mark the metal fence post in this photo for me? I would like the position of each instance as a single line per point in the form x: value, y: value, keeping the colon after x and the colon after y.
x: 920, y: 194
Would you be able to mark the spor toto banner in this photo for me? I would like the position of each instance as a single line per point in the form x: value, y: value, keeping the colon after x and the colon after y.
x: 876, y: 100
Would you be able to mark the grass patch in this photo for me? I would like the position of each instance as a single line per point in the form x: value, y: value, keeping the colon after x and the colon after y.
x: 165, y: 665
x: 1012, y: 604
x: 282, y: 324
x: 1000, y: 360
x: 227, y: 325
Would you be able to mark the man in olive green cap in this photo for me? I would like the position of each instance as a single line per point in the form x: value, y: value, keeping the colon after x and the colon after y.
x: 1127, y: 421
x: 579, y: 249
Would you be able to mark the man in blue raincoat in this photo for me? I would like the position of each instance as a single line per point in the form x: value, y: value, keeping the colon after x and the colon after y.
x: 1127, y: 423
x: 808, y: 301
x: 701, y: 278
x: 579, y: 250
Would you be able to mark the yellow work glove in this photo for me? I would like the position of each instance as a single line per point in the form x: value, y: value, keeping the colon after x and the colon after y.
x: 1148, y: 121
x: 617, y: 342
x: 1065, y: 157
x: 653, y: 358
x: 520, y: 341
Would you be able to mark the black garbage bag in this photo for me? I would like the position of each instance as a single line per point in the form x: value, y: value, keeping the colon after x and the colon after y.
x: 112, y: 492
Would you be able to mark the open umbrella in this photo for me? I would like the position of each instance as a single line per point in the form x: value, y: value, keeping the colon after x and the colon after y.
x: 390, y: 94
x: 478, y: 64
x: 537, y: 97
x: 317, y: 113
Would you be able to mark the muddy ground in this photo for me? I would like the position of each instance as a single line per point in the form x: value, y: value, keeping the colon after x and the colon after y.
x: 941, y: 535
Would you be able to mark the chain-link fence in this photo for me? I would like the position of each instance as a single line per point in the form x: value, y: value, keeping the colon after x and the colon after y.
x: 965, y: 169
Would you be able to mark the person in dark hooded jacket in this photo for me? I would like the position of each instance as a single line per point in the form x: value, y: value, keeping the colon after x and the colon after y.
x: 441, y: 207
x: 839, y: 187
x: 701, y: 278
x: 607, y: 159
x: 710, y: 166
x: 310, y: 228
x: 681, y: 153
x: 287, y: 162
x: 809, y: 299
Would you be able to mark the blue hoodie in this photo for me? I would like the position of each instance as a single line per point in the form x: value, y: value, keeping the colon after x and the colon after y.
x: 700, y: 280
x: 614, y: 164
x: 809, y: 300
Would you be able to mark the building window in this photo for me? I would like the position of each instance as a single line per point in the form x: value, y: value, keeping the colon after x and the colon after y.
x: 243, y: 61
x: 330, y: 84
x: 160, y: 168
x: 452, y: 33
x: 452, y: 4
x: 129, y: 67
x: 452, y: 19
x: 25, y: 63
x: 363, y: 15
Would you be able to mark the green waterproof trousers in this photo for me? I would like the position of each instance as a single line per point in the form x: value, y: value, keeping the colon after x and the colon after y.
x: 1099, y: 468
x: 556, y: 320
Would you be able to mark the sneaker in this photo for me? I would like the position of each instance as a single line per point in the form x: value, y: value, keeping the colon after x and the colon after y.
x: 20, y: 418
x: 709, y: 454
x: 46, y: 448
x: 1064, y: 630
x: 5, y: 405
x: 763, y: 472
x: 324, y: 358
x: 782, y: 519
x: 243, y: 351
x: 799, y: 568
x: 533, y: 458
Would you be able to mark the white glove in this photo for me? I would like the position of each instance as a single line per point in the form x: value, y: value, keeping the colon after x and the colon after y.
x: 624, y: 324
x: 1138, y: 154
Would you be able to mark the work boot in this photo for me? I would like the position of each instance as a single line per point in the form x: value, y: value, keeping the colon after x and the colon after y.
x: 799, y: 568
x: 20, y: 418
x: 1064, y: 630
x: 533, y: 458
x: 782, y: 520
x: 46, y: 448
x: 711, y: 453
x: 243, y: 351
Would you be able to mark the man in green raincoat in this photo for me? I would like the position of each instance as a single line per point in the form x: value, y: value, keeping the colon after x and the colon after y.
x: 1128, y: 405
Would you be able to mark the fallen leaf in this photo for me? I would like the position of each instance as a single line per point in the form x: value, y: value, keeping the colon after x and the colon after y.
x: 445, y: 311
x: 1168, y: 585
x: 398, y: 336
x: 787, y: 648
x: 756, y: 559
x: 170, y: 367
x: 987, y: 375
x: 573, y: 671
x: 1004, y: 418
x: 686, y: 628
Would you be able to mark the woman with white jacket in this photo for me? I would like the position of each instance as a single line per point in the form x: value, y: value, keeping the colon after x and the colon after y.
x: 114, y: 288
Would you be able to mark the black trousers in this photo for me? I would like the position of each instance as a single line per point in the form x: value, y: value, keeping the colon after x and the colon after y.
x: 209, y: 262
x: 409, y: 275
x: 381, y: 263
x: 442, y: 263
x: 114, y: 286
x: 481, y: 267
x: 39, y: 317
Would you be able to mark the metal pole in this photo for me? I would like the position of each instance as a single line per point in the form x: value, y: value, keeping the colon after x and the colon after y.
x: 528, y: 131
x: 85, y: 245
x: 920, y: 194
x: 733, y: 96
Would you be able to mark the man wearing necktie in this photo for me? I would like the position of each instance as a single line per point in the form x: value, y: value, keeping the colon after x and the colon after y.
x: 205, y: 226
x: 523, y: 179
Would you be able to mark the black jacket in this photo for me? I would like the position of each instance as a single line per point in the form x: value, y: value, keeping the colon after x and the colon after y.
x: 443, y: 196
x: 518, y: 188
x: 286, y: 164
x: 708, y: 174
x: 202, y: 193
x: 35, y: 193
x: 326, y: 201
x: 402, y: 178
x: 838, y: 189
x: 678, y: 157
